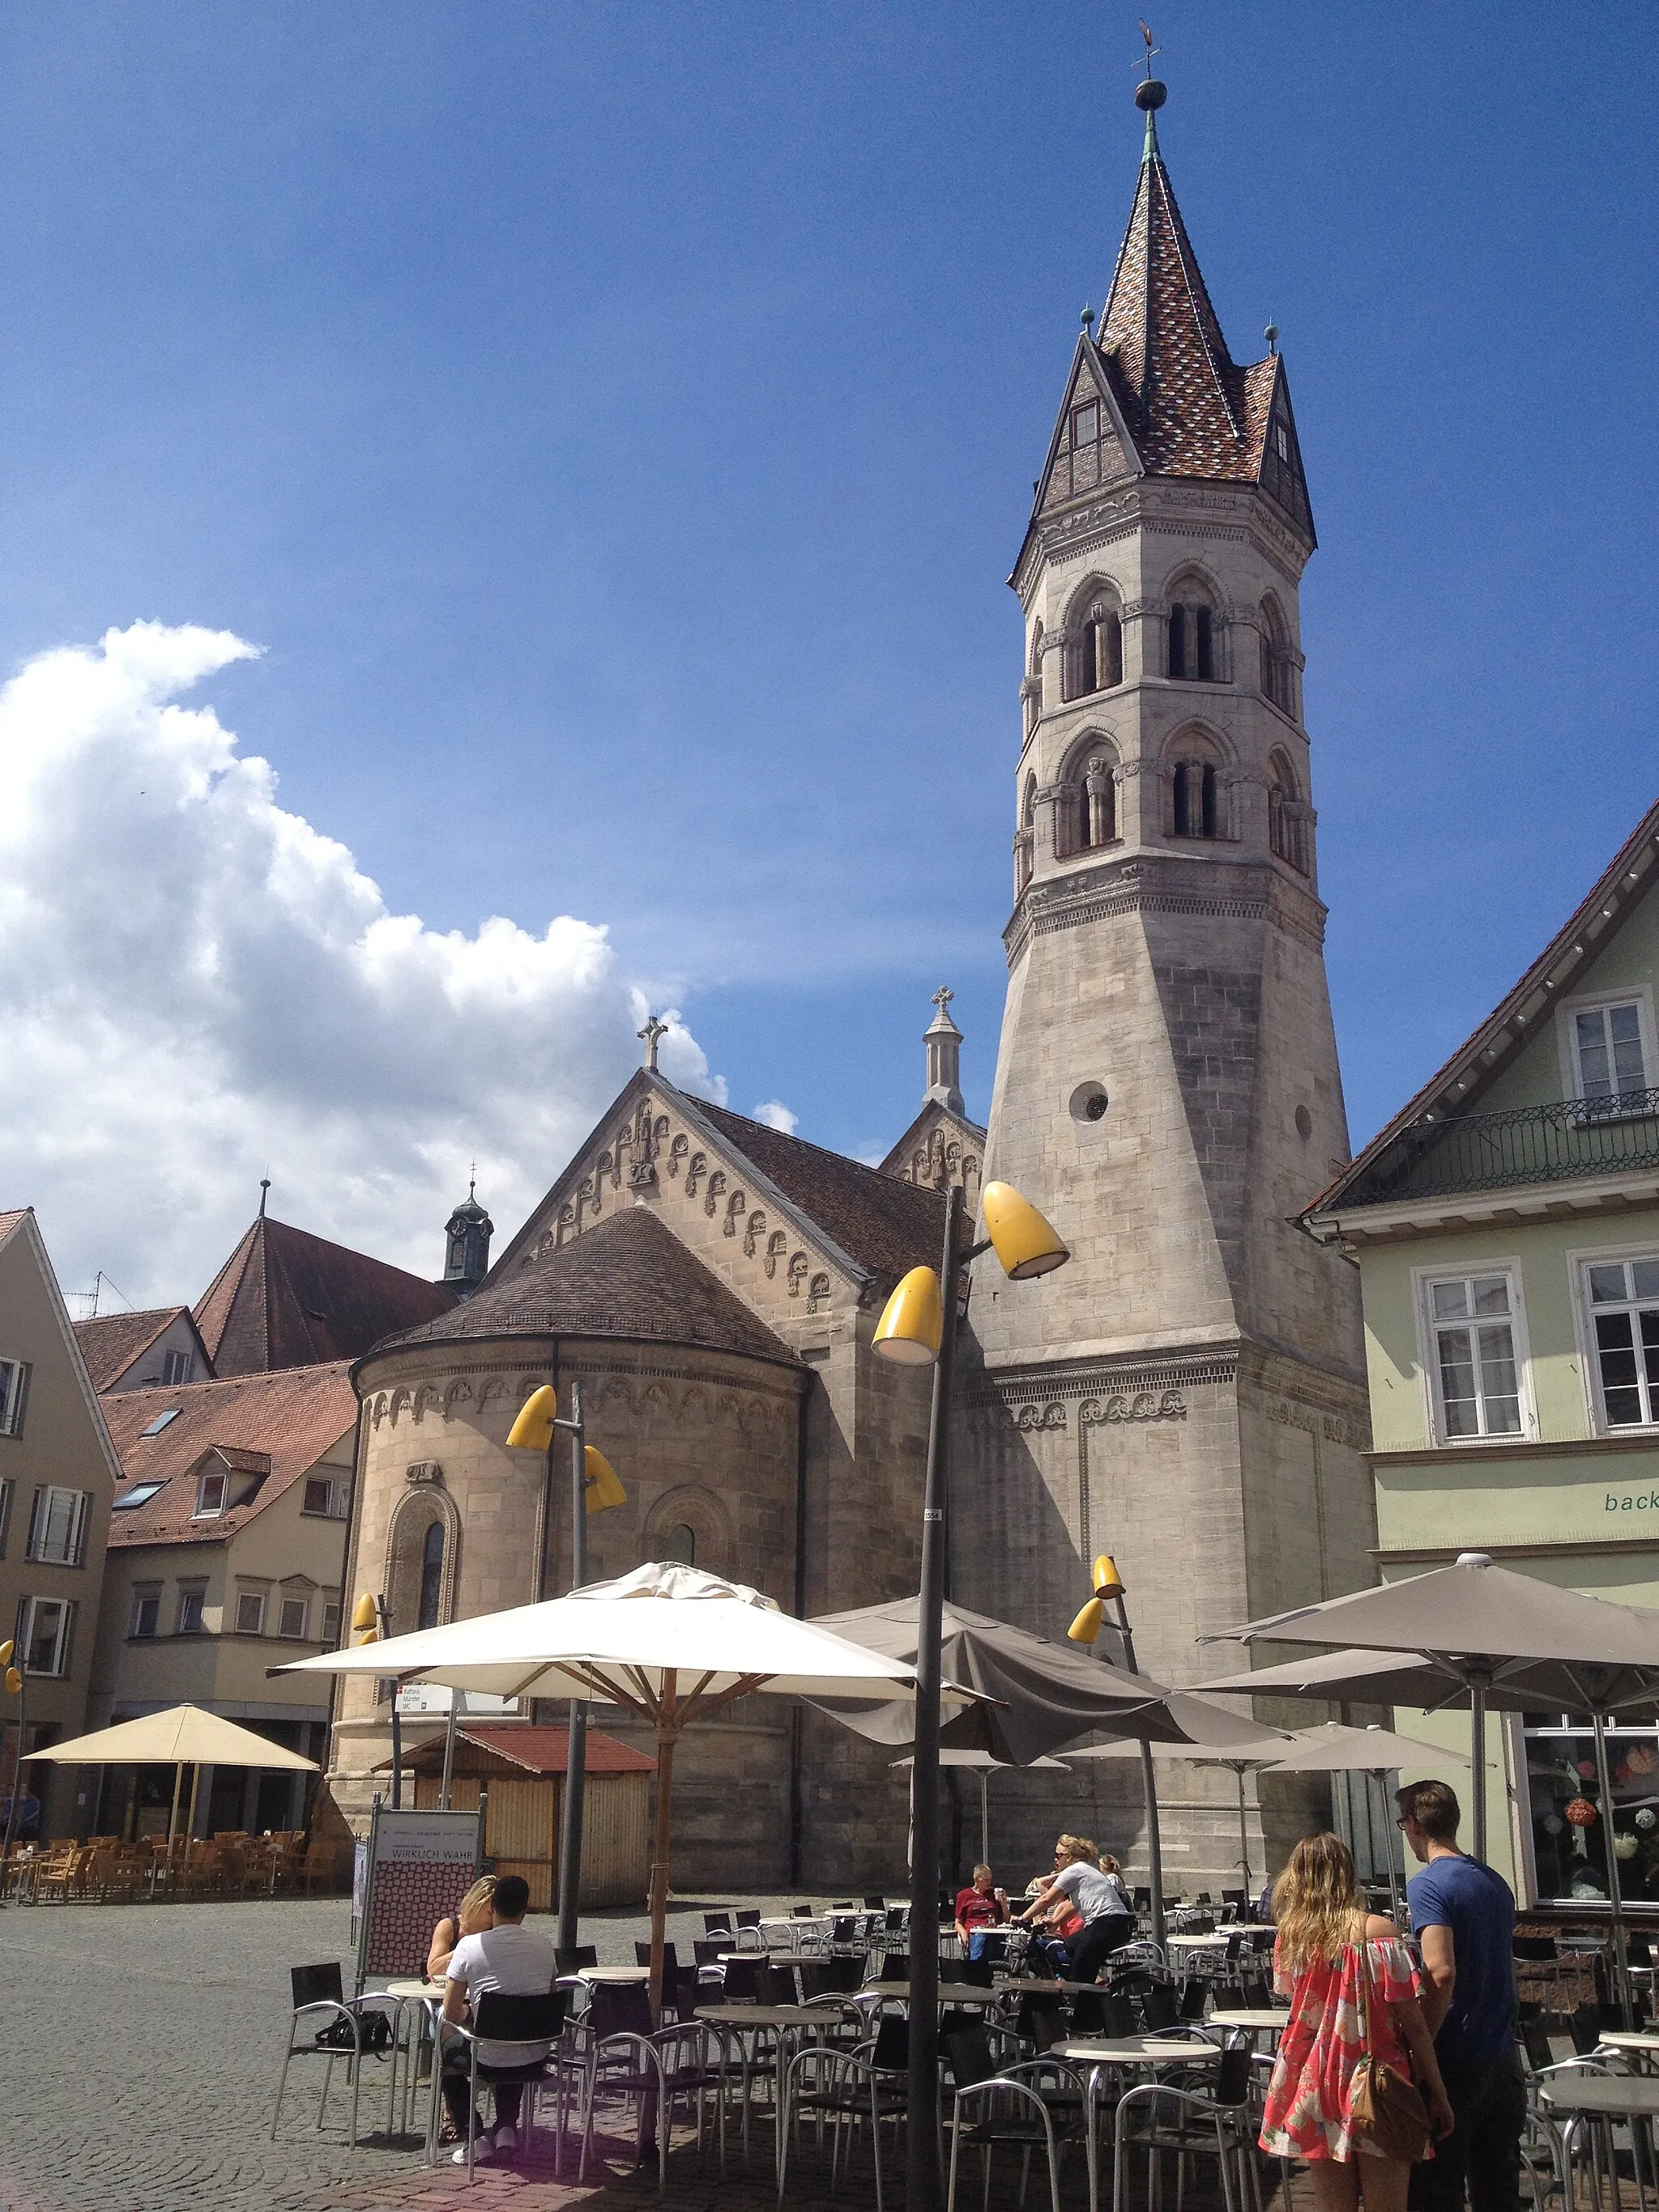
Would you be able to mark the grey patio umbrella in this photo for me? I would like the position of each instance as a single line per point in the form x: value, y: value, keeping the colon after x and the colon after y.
x: 985, y: 1764
x: 1332, y: 1748
x: 1484, y: 1629
x: 1215, y: 1737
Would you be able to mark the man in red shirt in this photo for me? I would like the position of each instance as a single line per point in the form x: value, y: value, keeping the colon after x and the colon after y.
x: 980, y: 1907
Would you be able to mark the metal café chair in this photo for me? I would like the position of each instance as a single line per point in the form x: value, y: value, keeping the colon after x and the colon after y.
x: 828, y: 2083
x: 618, y: 2053
x: 1158, y: 2117
x: 321, y: 2004
x: 1013, y: 2111
x: 532, y: 2024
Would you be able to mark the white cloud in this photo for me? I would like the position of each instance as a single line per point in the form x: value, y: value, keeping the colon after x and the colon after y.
x: 776, y: 1115
x: 197, y: 989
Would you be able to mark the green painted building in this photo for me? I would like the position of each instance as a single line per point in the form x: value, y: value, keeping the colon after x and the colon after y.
x: 1505, y: 1226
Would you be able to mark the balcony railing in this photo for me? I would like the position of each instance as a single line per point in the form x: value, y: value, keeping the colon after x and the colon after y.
x: 1552, y: 1143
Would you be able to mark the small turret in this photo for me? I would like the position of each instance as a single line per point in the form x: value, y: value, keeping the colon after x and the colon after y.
x: 466, y: 1247
x: 944, y: 1044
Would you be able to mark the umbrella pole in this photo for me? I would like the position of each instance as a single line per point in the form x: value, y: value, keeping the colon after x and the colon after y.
x: 1380, y: 1773
x: 575, y: 1757
x: 1615, y: 1894
x: 455, y: 1696
x: 667, y: 1729
x: 172, y: 1817
x: 1244, y: 1832
x: 985, y: 1815
x: 195, y: 1784
x: 1478, y: 1683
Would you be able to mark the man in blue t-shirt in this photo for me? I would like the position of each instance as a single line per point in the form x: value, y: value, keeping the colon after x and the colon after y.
x: 1463, y: 1917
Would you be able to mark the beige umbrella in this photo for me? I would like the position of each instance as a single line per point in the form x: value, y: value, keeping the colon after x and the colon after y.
x: 1332, y: 1748
x: 184, y: 1735
x: 667, y: 1643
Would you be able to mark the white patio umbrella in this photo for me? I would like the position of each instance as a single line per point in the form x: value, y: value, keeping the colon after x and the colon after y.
x: 182, y: 1736
x: 667, y: 1643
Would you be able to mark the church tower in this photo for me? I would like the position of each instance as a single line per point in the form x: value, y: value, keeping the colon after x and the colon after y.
x: 1188, y: 1393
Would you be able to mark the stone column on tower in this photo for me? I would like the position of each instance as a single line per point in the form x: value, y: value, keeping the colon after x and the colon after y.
x: 1189, y: 1393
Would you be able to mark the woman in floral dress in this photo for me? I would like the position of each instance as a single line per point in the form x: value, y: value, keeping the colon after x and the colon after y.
x: 1321, y: 1922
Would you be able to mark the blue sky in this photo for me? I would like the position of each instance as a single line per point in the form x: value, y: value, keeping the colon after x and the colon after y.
x: 615, y: 425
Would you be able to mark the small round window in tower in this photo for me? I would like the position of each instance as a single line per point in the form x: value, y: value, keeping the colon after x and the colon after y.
x: 1089, y: 1102
x: 1303, y: 1123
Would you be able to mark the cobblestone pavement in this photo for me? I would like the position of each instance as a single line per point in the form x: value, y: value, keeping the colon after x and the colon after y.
x: 145, y: 2043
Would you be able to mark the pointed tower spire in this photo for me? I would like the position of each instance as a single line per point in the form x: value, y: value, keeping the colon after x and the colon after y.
x: 944, y: 1044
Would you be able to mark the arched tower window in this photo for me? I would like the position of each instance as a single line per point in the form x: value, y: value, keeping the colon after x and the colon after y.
x: 1288, y: 818
x: 1198, y: 797
x: 1025, y: 837
x: 682, y: 1545
x: 1094, y: 654
x: 432, y: 1577
x: 1278, y: 665
x: 1193, y: 632
x: 1031, y: 689
x: 1087, y: 815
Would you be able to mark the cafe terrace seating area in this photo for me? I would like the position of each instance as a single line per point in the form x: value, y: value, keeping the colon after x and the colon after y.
x: 105, y: 1870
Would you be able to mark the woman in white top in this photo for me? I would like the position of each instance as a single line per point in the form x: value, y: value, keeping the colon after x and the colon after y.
x: 1077, y: 1882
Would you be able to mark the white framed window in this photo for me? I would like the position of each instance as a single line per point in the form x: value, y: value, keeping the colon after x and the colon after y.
x: 1475, y: 1353
x: 250, y: 1613
x: 327, y: 1495
x: 190, y: 1602
x: 14, y: 1395
x: 145, y: 1613
x: 1621, y: 1316
x: 292, y: 1620
x: 43, y: 1634
x: 58, y: 1527
x: 175, y: 1368
x: 211, y: 1490
x: 332, y: 1622
x: 1608, y: 1053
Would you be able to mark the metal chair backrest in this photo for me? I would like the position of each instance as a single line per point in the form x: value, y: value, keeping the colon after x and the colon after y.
x: 710, y: 1949
x: 1238, y: 1897
x: 579, y: 1955
x: 1535, y: 2042
x: 1535, y: 1949
x: 717, y: 1924
x: 802, y: 1913
x: 816, y: 1980
x: 682, y: 1989
x: 895, y: 1966
x: 503, y: 2018
x: 742, y: 1977
x: 970, y: 2050
x: 875, y: 1905
x: 1195, y: 1994
x: 898, y: 1918
x: 1204, y: 1898
x: 843, y: 1929
x: 773, y: 1985
x: 748, y: 1917
x: 1586, y: 2024
x: 1142, y: 1900
x: 317, y: 1985
x: 1160, y: 2007
x: 1042, y: 2022
x: 1258, y: 1997
x: 620, y: 2008
x: 892, y: 2052
x: 845, y: 1975
x: 670, y: 1957
x: 975, y: 1973
x: 1232, y: 2077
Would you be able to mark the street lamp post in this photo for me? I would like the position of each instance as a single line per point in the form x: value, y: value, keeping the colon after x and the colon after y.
x: 593, y: 1487
x: 919, y: 1326
x: 1085, y: 1629
x: 13, y: 1688
x: 372, y: 1623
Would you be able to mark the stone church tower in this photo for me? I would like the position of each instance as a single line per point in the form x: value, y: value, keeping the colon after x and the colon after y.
x: 1187, y: 1393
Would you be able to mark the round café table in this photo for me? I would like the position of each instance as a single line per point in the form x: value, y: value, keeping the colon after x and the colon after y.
x: 1600, y: 2101
x: 1103, y: 2055
x: 1258, y: 2019
x: 613, y: 1973
x: 783, y: 2022
x: 419, y: 2002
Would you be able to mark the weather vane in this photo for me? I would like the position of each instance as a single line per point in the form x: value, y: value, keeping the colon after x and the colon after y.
x: 1145, y: 32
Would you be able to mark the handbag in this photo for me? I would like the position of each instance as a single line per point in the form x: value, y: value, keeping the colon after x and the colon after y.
x: 1385, y: 2106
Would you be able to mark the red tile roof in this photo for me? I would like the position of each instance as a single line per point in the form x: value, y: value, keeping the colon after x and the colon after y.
x: 285, y: 1298
x: 531, y: 1750
x: 111, y: 1343
x: 627, y: 1276
x: 885, y: 1225
x: 279, y: 1425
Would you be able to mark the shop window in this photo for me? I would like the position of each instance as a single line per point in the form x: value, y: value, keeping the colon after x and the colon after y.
x: 1624, y: 1316
x: 1569, y: 1830
x: 1475, y: 1364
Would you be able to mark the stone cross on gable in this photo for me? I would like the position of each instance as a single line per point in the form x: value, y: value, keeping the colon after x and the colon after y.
x: 943, y: 996
x: 651, y: 1033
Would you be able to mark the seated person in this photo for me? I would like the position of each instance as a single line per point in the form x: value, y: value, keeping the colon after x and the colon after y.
x: 1079, y: 1886
x: 980, y: 1906
x: 511, y: 1958
x: 470, y: 1918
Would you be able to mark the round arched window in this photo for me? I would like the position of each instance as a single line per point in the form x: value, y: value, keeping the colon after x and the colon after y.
x: 432, y: 1576
x: 682, y: 1546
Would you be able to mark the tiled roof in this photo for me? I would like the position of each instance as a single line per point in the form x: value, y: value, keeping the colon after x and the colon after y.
x: 526, y: 1750
x: 282, y: 1423
x: 9, y: 1221
x: 627, y: 1276
x: 885, y: 1225
x: 111, y: 1342
x: 285, y: 1298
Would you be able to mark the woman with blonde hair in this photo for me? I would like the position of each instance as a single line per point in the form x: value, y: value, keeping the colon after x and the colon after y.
x: 475, y: 1912
x: 1077, y: 1886
x: 1335, y: 1962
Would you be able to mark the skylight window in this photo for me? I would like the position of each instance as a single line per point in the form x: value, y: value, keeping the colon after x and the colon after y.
x: 140, y: 1494
x: 161, y: 1422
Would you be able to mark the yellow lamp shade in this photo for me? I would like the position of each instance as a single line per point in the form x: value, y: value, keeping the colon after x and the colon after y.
x: 533, y: 1430
x: 604, y: 1486
x: 366, y: 1620
x: 6, y: 1650
x: 1086, y: 1627
x: 13, y: 1682
x: 1108, y: 1581
x: 913, y: 1321
x: 1025, y: 1243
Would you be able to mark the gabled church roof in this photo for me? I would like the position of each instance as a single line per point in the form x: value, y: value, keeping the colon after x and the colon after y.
x: 111, y: 1344
x: 1181, y: 406
x: 285, y: 1298
x: 626, y: 1276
